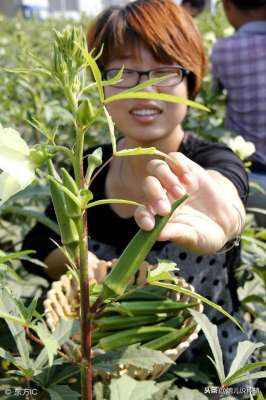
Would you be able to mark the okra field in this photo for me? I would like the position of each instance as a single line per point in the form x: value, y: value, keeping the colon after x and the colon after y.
x: 49, y: 105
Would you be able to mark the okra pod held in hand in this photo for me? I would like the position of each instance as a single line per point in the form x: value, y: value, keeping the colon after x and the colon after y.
x: 135, y: 253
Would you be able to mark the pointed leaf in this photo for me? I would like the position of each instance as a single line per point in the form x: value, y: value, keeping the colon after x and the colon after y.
x: 162, y: 272
x: 244, y: 350
x: 112, y: 201
x: 197, y: 296
x: 210, y: 332
x: 248, y: 377
x: 48, y: 340
x: 65, y: 329
x: 111, y: 129
x: 137, y: 151
x: 8, y: 305
x: 155, y: 96
x: 147, y: 83
x: 95, y: 70
x: 242, y: 372
x: 135, y: 355
x: 7, y: 356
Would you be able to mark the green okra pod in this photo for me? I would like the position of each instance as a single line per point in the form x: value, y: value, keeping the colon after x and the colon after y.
x: 147, y: 293
x: 73, y: 210
x: 150, y: 307
x: 117, y: 281
x: 176, y: 321
x: 67, y: 227
x: 169, y: 340
x: 118, y: 322
x: 132, y: 336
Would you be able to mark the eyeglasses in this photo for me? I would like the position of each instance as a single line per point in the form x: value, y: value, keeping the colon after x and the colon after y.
x: 132, y: 77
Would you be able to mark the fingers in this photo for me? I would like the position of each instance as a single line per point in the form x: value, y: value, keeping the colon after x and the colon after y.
x: 159, y: 187
x: 144, y: 218
x: 167, y: 177
x: 156, y: 196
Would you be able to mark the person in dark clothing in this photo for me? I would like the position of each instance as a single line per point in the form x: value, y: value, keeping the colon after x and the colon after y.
x: 242, y: 77
x: 211, y: 173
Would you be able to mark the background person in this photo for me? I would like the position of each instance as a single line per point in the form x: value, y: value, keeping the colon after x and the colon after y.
x: 238, y: 65
x: 209, y: 220
x: 194, y: 7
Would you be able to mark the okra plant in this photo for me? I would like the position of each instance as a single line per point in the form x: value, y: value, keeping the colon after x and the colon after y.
x: 71, y: 197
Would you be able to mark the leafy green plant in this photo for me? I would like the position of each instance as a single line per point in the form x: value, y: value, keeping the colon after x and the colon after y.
x: 239, y: 370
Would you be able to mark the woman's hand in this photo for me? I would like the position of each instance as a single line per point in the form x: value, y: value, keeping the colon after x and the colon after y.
x: 207, y: 220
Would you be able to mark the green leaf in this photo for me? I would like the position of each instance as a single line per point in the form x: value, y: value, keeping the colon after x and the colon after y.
x: 137, y: 151
x: 111, y: 127
x: 242, y: 372
x: 260, y: 396
x: 147, y: 83
x: 7, y: 356
x: 135, y: 355
x: 4, y: 257
x: 248, y: 377
x: 95, y: 71
x: 253, y: 298
x: 29, y: 213
x: 65, y: 329
x: 8, y: 305
x: 244, y: 350
x: 116, y: 79
x: 112, y: 201
x: 48, y: 340
x: 126, y: 388
x: 210, y: 332
x: 162, y: 272
x: 155, y: 96
x: 62, y: 392
x: 31, y: 308
x: 197, y: 296
x: 190, y: 394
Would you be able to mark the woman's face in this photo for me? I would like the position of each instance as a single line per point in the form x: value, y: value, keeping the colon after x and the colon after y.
x: 146, y: 122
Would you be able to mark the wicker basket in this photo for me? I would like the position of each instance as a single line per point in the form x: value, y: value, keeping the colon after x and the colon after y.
x: 62, y: 302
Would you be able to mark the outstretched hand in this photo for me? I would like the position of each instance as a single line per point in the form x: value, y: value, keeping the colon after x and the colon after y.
x: 207, y: 220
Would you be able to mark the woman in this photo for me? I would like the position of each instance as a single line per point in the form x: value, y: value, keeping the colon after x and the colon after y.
x: 151, y: 38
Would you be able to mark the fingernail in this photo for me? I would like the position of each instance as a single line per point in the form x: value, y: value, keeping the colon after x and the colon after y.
x: 177, y: 190
x: 147, y: 223
x: 163, y: 207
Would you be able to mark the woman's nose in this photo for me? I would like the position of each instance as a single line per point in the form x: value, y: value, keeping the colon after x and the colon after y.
x: 145, y: 77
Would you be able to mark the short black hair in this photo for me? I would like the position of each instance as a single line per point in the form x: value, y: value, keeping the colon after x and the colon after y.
x: 199, y: 4
x: 249, y: 4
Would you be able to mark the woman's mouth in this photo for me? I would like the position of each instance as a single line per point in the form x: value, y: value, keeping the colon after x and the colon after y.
x: 145, y: 114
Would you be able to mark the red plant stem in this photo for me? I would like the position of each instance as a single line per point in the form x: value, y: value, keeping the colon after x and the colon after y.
x: 85, y: 322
